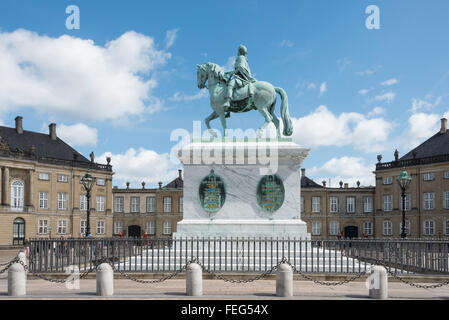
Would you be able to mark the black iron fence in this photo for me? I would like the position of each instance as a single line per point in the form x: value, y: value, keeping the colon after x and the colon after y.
x: 241, y: 254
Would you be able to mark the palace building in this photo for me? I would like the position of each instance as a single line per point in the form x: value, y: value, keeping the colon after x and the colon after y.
x: 40, y: 188
x: 154, y: 211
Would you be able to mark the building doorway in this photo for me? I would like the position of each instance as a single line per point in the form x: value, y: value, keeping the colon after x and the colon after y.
x: 351, y: 232
x: 134, y: 231
x: 18, y: 237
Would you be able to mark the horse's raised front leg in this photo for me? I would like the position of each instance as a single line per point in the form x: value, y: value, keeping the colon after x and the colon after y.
x: 268, y: 119
x: 211, y: 117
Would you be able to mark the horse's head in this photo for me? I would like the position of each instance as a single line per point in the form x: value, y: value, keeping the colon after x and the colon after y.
x: 201, y: 75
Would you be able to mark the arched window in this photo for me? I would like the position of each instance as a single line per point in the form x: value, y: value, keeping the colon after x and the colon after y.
x: 17, y: 189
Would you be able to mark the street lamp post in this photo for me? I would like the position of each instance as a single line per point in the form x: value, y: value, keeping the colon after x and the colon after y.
x: 88, y: 181
x: 403, y: 180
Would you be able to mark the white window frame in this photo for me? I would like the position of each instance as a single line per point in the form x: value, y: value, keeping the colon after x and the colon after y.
x: 429, y: 227
x: 333, y: 204
x: 62, y: 226
x: 135, y: 204
x: 302, y: 204
x: 446, y: 175
x: 334, y: 228
x: 101, y: 182
x: 387, y: 180
x: 367, y: 204
x: 388, y: 205
x: 446, y: 227
x: 429, y: 200
x: 316, y: 228
x: 151, y: 204
x: 167, y: 204
x: 43, y: 199
x: 316, y: 204
x: 181, y: 204
x: 167, y: 227
x: 119, y: 204
x: 63, y: 177
x: 429, y: 176
x: 42, y: 226
x: 118, y: 227
x: 387, y: 228
x: 407, y: 202
x: 45, y: 176
x: 151, y: 227
x: 83, y: 227
x: 350, y: 207
x: 446, y: 199
x: 83, y: 202
x: 62, y: 200
x: 100, y: 203
x: 368, y: 228
x: 101, y: 227
x: 407, y: 227
x: 17, y: 195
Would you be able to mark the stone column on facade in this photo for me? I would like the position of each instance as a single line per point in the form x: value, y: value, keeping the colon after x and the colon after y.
x: 31, y: 189
x: 5, y: 195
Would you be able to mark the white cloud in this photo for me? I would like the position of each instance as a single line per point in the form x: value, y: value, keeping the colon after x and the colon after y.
x: 376, y: 111
x: 286, y: 43
x: 140, y: 165
x: 343, y: 63
x: 170, y: 37
x: 76, y: 78
x: 388, y: 97
x: 311, y: 86
x: 323, y: 128
x: 421, y: 127
x: 389, y: 82
x: 78, y: 134
x: 346, y: 169
x: 229, y: 64
x: 368, y: 72
x: 363, y: 91
x: 181, y: 96
x: 419, y: 104
x: 323, y: 88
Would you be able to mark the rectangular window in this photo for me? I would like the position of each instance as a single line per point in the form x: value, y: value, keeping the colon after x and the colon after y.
x: 118, y: 227
x: 100, y: 203
x: 302, y: 204
x: 316, y: 228
x: 44, y: 176
x: 83, y: 224
x: 446, y: 174
x: 387, y: 228
x: 119, y: 204
x: 316, y: 204
x: 83, y: 202
x: 62, y: 226
x: 388, y: 203
x: 181, y: 204
x: 43, y: 227
x: 407, y: 202
x: 62, y: 200
x: 446, y: 227
x: 429, y: 227
x: 367, y: 204
x: 350, y: 204
x: 151, y: 227
x: 388, y: 180
x: 407, y: 227
x: 135, y: 204
x: 43, y: 200
x: 167, y: 227
x: 334, y: 228
x: 429, y: 200
x: 101, y: 227
x: 63, y: 178
x: 167, y: 204
x: 429, y: 176
x: 446, y: 199
x: 368, y: 228
x: 101, y: 182
x: 151, y: 204
x: 333, y: 204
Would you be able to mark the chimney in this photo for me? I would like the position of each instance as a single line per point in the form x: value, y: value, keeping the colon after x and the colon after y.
x: 180, y: 173
x: 303, y: 172
x: 52, y: 131
x: 443, y: 126
x: 19, y: 128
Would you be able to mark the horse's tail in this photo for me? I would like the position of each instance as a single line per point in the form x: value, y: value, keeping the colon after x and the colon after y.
x: 288, y: 128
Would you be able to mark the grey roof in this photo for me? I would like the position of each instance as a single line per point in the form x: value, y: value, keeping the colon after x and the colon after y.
x: 176, y: 183
x: 45, y: 147
x: 436, y: 145
x: 309, y: 183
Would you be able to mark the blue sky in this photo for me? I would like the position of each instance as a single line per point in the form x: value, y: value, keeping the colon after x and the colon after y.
x: 353, y: 92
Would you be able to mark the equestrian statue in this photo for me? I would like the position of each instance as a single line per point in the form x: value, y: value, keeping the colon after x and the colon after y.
x: 238, y: 91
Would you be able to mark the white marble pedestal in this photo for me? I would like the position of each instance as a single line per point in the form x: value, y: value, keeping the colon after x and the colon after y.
x: 241, y: 165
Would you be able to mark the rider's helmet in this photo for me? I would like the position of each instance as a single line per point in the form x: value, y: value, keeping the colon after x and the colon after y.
x: 242, y: 50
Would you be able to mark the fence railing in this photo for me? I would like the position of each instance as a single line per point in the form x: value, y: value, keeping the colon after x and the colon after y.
x: 241, y: 254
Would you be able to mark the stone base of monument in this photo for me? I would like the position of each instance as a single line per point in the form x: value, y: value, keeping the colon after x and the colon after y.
x: 249, y: 188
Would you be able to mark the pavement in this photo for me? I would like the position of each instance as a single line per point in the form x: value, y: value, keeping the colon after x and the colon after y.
x: 175, y: 289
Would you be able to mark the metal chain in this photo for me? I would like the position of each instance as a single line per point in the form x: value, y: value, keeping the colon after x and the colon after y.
x: 9, y: 264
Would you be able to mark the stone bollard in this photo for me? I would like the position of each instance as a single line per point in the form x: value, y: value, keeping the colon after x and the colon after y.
x: 16, y: 280
x: 284, y: 281
x: 378, y: 283
x: 194, y: 280
x: 105, y: 280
